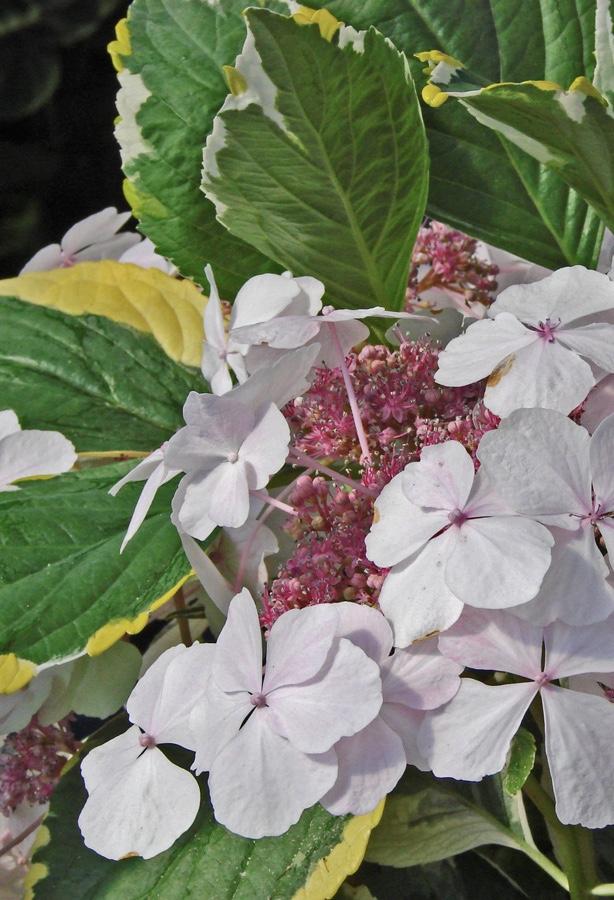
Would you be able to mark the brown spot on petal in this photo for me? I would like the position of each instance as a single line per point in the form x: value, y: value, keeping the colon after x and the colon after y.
x: 502, y: 369
x: 376, y: 515
x: 130, y: 855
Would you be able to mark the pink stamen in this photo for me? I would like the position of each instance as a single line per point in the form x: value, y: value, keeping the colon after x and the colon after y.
x: 258, y: 700
x: 547, y: 329
x: 457, y: 517
x: 360, y: 431
x: 273, y: 502
x: 305, y: 460
x: 147, y: 741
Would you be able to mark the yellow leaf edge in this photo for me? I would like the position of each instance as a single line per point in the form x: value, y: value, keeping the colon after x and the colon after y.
x: 330, y: 872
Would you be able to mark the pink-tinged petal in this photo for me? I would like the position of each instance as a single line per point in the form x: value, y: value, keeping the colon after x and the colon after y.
x: 498, y: 562
x: 260, y: 784
x: 214, y: 722
x: 415, y: 597
x: 442, y: 479
x: 574, y: 651
x: 313, y: 289
x: 606, y: 527
x: 238, y: 660
x: 95, y: 228
x: 45, y: 259
x: 214, y: 583
x: 484, y: 499
x: 575, y: 589
x: 283, y: 333
x: 9, y: 423
x: 594, y: 342
x: 215, y: 370
x: 217, y: 426
x: 568, y: 294
x: 25, y: 454
x: 538, y: 459
x: 215, y: 333
x: 493, y: 639
x: 202, y: 526
x: 599, y: 404
x: 114, y: 248
x: 139, y: 803
x: 602, y: 463
x: 370, y: 765
x: 484, y: 346
x: 244, y: 549
x: 141, y: 471
x: 220, y: 496
x: 579, y: 741
x: 144, y: 256
x: 266, y: 447
x: 160, y: 702
x: 601, y: 684
x: 420, y: 677
x: 470, y: 736
x: 281, y: 381
x: 264, y: 297
x: 399, y: 527
x: 349, y: 334
x: 365, y: 627
x: 545, y: 374
x: 406, y: 723
x: 158, y: 477
x: 339, y: 701
x: 298, y: 645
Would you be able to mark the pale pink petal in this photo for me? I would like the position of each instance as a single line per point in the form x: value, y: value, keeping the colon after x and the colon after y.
x: 606, y: 527
x: 9, y: 423
x: 399, y: 527
x: 484, y: 499
x: 420, y: 677
x: 493, y: 639
x: 349, y: 334
x: 266, y: 446
x: 594, y: 342
x: 539, y: 461
x: 602, y: 463
x: 593, y: 683
x: 264, y: 297
x: 45, y: 259
x: 95, y: 228
x: 214, y: 722
x: 543, y: 374
x: 599, y: 403
x: 498, y: 562
x: 442, y: 479
x: 470, y: 736
x: 114, y: 248
x: 370, y: 765
x: 298, y: 645
x: 141, y: 471
x: 568, y: 294
x: 575, y: 588
x: 215, y: 333
x: 214, y: 583
x: 201, y: 526
x: 339, y: 701
x: 406, y: 723
x: 139, y: 803
x: 215, y: 370
x: 283, y: 333
x: 26, y: 454
x: 217, y: 426
x: 238, y: 660
x: 145, y: 256
x: 579, y: 741
x: 574, y: 651
x: 483, y: 347
x: 280, y: 382
x: 415, y: 597
x: 221, y: 495
x: 365, y: 627
x: 314, y: 291
x: 260, y: 784
x: 158, y: 477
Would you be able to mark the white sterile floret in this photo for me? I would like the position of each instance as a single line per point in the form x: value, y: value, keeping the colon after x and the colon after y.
x: 449, y: 540
x: 26, y: 454
x: 139, y: 802
x: 268, y: 740
x: 547, y: 467
x: 220, y: 353
x: 90, y: 239
x: 470, y: 736
x: 537, y: 342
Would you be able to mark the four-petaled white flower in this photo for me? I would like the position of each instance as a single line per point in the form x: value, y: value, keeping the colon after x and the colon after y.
x: 470, y: 736
x: 268, y: 741
x: 537, y: 342
x: 139, y: 801
x: 26, y: 454
x: 450, y: 540
x: 90, y: 239
x: 550, y: 469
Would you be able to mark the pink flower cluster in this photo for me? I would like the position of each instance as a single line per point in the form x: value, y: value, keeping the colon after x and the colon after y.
x: 31, y: 761
x: 446, y: 260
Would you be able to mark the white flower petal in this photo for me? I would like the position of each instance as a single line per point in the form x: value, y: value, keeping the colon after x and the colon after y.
x: 602, y: 462
x: 420, y: 677
x: 406, y: 723
x: 470, y: 736
x: 415, y: 597
x: 260, y: 784
x: 348, y: 334
x: 599, y: 404
x: 594, y: 342
x: 139, y: 803
x: 141, y: 471
x: 9, y: 423
x: 45, y: 259
x: 214, y: 583
x: 238, y: 659
x: 579, y: 740
x: 158, y: 477
x: 114, y: 248
x: 264, y: 297
x: 493, y: 639
x: 365, y: 627
x: 574, y: 651
x: 220, y: 496
x: 285, y: 379
x: 217, y: 426
x: 498, y: 562
x: 214, y: 721
x: 568, y: 294
x: 266, y: 446
x: 283, y: 333
x: 442, y: 479
x: 100, y: 226
x: 370, y: 764
x: 298, y: 645
x: 25, y: 454
x: 539, y: 461
x: 483, y: 347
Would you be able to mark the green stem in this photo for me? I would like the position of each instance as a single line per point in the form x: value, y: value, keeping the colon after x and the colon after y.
x: 572, y: 845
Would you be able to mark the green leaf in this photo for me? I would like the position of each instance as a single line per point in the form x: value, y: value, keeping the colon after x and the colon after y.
x: 571, y: 132
x: 480, y: 182
x: 104, y: 386
x: 172, y: 84
x: 207, y: 861
x: 322, y: 162
x: 521, y: 761
x: 62, y: 578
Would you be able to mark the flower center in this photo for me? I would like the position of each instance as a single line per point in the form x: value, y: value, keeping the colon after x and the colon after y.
x: 233, y: 457
x: 222, y: 354
x: 258, y: 700
x: 457, y: 517
x: 547, y: 328
x: 146, y: 741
